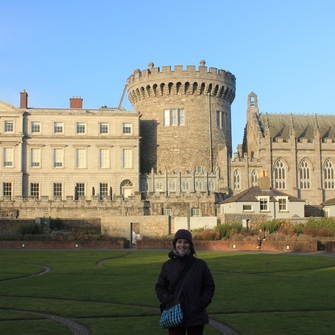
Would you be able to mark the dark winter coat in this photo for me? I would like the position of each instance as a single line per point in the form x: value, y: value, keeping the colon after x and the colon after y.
x: 197, y: 293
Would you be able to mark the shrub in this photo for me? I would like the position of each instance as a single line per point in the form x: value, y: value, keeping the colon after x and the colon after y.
x: 226, y: 231
x: 30, y: 229
x: 207, y: 234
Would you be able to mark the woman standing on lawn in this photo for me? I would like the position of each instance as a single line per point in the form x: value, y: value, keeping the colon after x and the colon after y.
x: 198, y: 291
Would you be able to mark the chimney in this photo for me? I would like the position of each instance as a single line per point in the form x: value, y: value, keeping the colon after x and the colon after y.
x: 76, y: 102
x: 264, y: 180
x: 23, y: 99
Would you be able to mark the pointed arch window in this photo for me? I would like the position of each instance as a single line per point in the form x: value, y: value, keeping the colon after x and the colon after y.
x: 254, y: 178
x: 237, y: 180
x: 279, y: 175
x: 304, y: 175
x: 328, y: 175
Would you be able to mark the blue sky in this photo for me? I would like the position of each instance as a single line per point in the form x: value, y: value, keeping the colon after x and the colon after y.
x: 283, y: 50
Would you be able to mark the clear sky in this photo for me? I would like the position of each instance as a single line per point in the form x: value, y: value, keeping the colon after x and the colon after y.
x: 283, y: 50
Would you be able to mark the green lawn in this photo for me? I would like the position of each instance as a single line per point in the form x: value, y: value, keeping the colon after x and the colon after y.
x: 256, y: 293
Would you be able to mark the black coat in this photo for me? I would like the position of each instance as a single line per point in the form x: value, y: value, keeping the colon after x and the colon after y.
x: 197, y: 293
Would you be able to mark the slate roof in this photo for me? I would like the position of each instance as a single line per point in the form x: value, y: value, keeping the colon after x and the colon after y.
x: 329, y: 202
x: 251, y: 194
x: 280, y: 125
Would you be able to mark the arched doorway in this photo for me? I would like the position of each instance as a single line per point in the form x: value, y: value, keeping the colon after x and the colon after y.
x: 126, y: 188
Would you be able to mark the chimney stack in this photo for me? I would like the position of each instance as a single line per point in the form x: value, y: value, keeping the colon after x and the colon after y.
x: 264, y: 180
x: 76, y: 102
x: 23, y: 99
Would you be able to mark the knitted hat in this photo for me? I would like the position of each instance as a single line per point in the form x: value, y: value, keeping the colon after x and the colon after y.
x: 182, y: 233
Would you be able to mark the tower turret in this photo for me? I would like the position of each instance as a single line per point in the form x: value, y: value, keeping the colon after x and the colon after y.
x: 185, y: 116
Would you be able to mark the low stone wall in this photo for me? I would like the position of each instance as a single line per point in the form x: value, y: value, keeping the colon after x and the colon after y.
x: 281, y: 246
x: 64, y: 244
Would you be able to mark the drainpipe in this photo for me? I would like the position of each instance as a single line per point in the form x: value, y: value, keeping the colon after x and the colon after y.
x: 210, y: 134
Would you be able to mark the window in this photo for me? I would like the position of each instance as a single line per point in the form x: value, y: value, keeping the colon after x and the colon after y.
x: 81, y: 128
x: 198, y: 185
x: 304, y: 175
x: 81, y: 158
x: 282, y: 204
x: 35, y: 127
x: 58, y: 127
x: 8, y: 160
x: 159, y: 186
x: 8, y: 126
x: 195, y: 212
x: 127, y: 158
x: 7, y: 189
x: 263, y: 204
x: 57, y: 190
x: 254, y: 178
x: 247, y: 207
x: 237, y: 180
x: 35, y: 157
x: 174, y: 117
x: 172, y: 186
x: 279, y: 175
x: 167, y: 211
x: 80, y: 190
x: 35, y: 190
x: 58, y: 157
x: 328, y: 175
x: 104, y: 158
x: 221, y: 120
x: 211, y: 186
x: 103, y: 190
x: 103, y: 128
x: 126, y: 128
x: 199, y: 169
x: 185, y: 186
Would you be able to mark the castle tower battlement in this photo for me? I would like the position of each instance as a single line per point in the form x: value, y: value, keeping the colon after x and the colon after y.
x: 185, y: 122
x: 152, y: 82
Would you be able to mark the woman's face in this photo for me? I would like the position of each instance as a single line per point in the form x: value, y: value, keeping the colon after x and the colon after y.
x: 182, y: 246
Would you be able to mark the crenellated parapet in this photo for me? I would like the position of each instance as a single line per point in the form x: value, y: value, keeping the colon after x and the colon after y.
x: 154, y: 82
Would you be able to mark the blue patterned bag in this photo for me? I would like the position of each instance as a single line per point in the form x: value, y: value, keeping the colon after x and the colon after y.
x: 172, y: 315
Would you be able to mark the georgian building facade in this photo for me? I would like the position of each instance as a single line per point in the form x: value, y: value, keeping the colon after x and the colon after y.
x: 68, y: 153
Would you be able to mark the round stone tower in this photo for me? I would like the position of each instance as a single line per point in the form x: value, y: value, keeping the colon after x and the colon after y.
x: 185, y: 117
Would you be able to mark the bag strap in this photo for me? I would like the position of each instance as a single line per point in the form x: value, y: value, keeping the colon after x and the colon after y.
x: 185, y: 273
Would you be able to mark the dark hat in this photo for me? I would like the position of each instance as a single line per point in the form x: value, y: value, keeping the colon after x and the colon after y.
x: 182, y: 233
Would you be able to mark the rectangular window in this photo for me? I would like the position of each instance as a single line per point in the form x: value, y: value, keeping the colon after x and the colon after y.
x: 58, y: 127
x: 263, y: 204
x: 81, y: 158
x: 127, y: 158
x: 167, y: 117
x: 103, y: 190
x: 104, y: 158
x: 282, y: 204
x: 81, y: 128
x: 35, y: 157
x: 80, y: 190
x: 35, y: 127
x: 35, y: 190
x: 58, y: 157
x: 195, y: 211
x: 174, y: 117
x: 247, y: 207
x: 103, y: 128
x: 126, y: 128
x: 57, y: 189
x: 218, y: 114
x: 181, y: 117
x: 7, y: 189
x: 8, y: 126
x: 167, y: 211
x: 8, y: 154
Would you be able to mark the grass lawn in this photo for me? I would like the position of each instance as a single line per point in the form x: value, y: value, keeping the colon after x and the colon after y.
x: 256, y: 293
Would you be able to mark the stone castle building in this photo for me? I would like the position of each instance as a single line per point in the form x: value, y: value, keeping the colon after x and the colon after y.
x: 171, y: 155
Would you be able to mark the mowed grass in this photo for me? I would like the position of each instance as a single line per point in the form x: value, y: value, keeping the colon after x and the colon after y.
x: 256, y: 293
